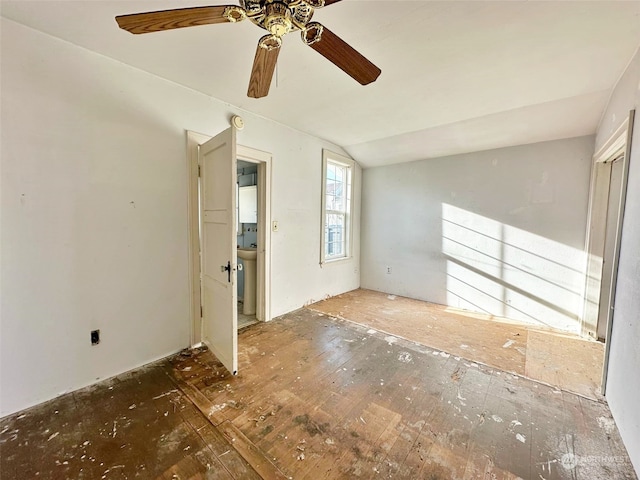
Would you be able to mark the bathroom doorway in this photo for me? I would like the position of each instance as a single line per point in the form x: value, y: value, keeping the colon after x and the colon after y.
x: 259, y: 233
x: 247, y: 226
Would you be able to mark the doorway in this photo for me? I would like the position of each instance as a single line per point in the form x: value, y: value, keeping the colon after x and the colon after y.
x: 247, y: 227
x: 614, y: 170
x: 262, y: 161
x: 606, y: 211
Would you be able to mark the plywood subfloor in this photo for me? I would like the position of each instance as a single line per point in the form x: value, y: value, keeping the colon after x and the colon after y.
x: 317, y: 398
x: 551, y: 356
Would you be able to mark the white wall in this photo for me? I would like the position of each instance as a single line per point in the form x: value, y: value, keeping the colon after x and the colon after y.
x: 623, y: 385
x: 94, y: 215
x: 500, y: 231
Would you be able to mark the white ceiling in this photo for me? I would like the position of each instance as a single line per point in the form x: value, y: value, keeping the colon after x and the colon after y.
x: 456, y: 76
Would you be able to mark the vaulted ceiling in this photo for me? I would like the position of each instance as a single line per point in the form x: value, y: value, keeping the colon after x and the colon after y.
x: 456, y: 76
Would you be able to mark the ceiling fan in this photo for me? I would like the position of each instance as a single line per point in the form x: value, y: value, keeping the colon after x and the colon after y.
x: 278, y: 17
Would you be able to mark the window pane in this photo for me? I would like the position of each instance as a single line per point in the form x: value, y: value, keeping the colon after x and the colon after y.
x: 335, y: 187
x: 334, y: 235
x: 336, y: 214
x: 331, y: 186
x: 338, y: 189
x: 330, y: 194
x: 330, y: 202
x: 331, y: 172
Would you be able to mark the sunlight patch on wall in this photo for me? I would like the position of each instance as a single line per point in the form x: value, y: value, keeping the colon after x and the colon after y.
x: 508, y: 272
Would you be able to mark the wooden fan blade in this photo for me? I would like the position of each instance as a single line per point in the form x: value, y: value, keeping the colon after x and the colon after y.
x: 179, y: 18
x: 264, y: 64
x: 330, y: 2
x: 340, y: 53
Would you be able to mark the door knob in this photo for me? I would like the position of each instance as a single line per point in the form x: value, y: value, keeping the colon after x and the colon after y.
x: 227, y: 268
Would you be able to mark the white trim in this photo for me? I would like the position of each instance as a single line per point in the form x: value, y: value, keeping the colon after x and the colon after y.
x: 612, y: 149
x: 348, y: 162
x: 193, y: 208
x: 627, y: 132
x: 263, y: 273
x: 615, y: 146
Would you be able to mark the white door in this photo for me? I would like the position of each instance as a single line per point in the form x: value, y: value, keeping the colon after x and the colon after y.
x: 217, y: 160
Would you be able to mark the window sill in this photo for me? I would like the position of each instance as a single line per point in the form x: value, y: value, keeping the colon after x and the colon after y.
x: 333, y: 261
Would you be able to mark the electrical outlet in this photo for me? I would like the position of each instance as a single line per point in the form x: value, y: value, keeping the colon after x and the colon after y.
x: 95, y: 337
x: 388, y: 270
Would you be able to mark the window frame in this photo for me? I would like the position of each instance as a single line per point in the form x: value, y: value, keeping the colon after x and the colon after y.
x: 342, y: 161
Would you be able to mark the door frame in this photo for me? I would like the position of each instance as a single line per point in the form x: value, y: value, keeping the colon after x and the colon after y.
x: 263, y: 267
x: 618, y: 146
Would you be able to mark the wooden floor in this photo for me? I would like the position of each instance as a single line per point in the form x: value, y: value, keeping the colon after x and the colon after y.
x: 316, y: 398
x: 543, y: 354
x: 138, y: 425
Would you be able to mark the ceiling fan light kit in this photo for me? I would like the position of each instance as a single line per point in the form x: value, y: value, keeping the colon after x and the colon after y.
x: 278, y: 17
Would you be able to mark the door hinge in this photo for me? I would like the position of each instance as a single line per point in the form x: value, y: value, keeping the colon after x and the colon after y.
x: 200, y: 311
x: 198, y: 170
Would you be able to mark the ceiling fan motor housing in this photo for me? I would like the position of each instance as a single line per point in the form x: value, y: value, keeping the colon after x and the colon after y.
x: 278, y: 18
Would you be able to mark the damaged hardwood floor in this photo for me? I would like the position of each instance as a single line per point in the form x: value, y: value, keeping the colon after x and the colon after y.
x: 316, y: 398
x: 136, y: 425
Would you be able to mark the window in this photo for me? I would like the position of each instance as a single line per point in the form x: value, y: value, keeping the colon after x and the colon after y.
x: 337, y: 173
